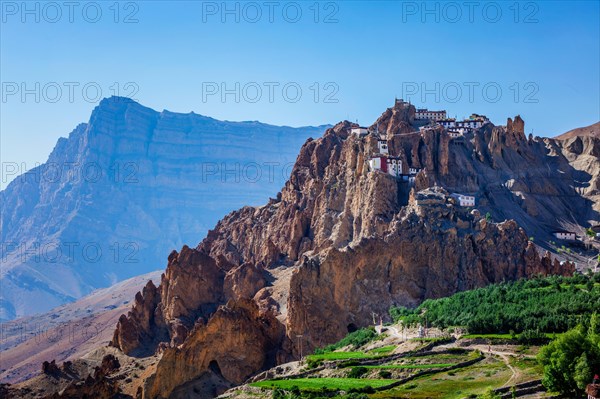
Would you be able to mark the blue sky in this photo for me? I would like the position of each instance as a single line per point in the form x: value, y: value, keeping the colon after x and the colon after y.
x: 295, y: 63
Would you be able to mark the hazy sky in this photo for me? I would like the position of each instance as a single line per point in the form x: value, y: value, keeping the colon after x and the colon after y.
x: 294, y: 63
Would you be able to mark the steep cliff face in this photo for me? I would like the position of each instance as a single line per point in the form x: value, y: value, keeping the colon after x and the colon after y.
x: 541, y: 183
x: 237, y: 341
x: 123, y: 190
x: 339, y: 242
x: 583, y: 156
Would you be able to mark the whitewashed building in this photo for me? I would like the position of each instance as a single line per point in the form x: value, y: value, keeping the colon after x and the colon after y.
x: 457, y: 128
x: 375, y: 163
x: 359, y: 131
x: 447, y: 123
x: 425, y: 114
x: 394, y: 166
x: 565, y: 235
x: 389, y: 165
x: 475, y: 121
x: 464, y: 200
x: 382, y: 147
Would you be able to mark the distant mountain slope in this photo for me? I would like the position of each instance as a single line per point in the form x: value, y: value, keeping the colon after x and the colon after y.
x: 123, y: 190
x: 346, y: 240
x: 591, y: 130
x: 66, y: 332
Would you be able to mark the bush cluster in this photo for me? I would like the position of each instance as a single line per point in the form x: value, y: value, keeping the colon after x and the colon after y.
x: 355, y: 339
x: 549, y: 304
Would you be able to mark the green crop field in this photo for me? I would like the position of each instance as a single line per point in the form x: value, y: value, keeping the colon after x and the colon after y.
x: 476, y: 379
x: 339, y: 356
x: 445, y: 356
x: 410, y: 366
x: 383, y: 350
x: 315, y: 384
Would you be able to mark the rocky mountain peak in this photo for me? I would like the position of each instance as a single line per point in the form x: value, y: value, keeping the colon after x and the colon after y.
x: 341, y: 241
x: 130, y: 185
x: 397, y: 119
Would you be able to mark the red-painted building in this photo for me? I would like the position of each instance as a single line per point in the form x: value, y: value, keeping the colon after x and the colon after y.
x: 389, y: 165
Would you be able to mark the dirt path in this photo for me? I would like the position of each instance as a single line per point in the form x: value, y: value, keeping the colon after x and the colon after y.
x: 393, y: 331
x: 515, y: 372
x: 505, y: 356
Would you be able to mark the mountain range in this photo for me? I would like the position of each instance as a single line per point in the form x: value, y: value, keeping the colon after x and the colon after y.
x: 124, y: 189
x: 344, y: 241
x: 341, y: 242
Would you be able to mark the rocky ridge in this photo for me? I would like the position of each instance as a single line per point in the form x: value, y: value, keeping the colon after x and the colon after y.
x: 356, y: 241
x: 125, y: 188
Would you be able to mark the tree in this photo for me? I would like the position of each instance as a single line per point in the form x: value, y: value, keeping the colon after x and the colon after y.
x: 594, y: 325
x: 583, y: 372
x: 570, y: 360
x: 589, y: 285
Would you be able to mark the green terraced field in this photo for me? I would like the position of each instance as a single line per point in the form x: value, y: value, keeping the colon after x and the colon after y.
x: 383, y: 350
x: 456, y: 358
x: 472, y: 380
x: 410, y: 366
x: 315, y: 384
x: 340, y: 356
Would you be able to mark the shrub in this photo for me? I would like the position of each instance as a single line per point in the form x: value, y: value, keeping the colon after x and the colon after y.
x: 590, y: 233
x: 356, y: 339
x: 531, y: 337
x: 368, y: 389
x: 489, y: 395
x: 313, y: 363
x: 548, y: 304
x: 385, y: 374
x: 278, y: 394
x: 348, y: 363
x: 357, y: 372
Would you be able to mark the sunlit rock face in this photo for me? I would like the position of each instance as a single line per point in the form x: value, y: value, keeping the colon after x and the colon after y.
x: 342, y: 241
x: 123, y: 190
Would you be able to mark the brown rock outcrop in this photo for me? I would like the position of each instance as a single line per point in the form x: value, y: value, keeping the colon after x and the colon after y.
x: 138, y: 329
x: 396, y: 120
x: 98, y: 385
x: 50, y: 368
x: 338, y: 243
x: 237, y: 341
